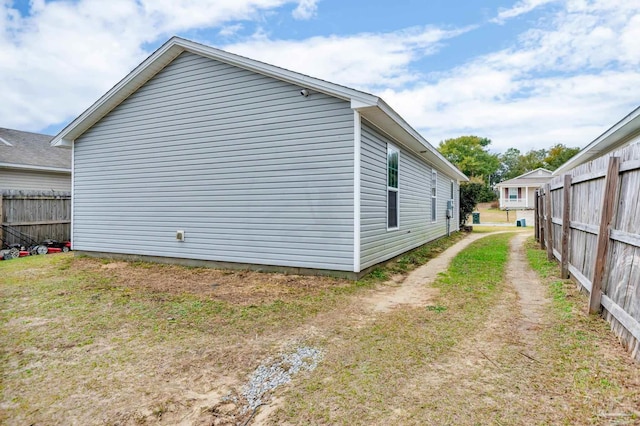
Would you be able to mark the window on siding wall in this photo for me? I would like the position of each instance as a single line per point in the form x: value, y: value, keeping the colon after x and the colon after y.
x: 434, y: 195
x: 393, y: 199
x: 513, y: 193
x: 452, y: 195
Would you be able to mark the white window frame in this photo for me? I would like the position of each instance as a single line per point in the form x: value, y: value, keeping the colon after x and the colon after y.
x: 515, y: 191
x: 453, y: 195
x: 392, y: 148
x: 434, y: 196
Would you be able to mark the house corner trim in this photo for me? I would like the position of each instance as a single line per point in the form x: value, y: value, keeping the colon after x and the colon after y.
x: 357, y: 140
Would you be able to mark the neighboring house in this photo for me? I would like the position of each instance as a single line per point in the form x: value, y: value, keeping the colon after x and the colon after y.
x: 520, y: 192
x: 200, y: 154
x: 621, y: 134
x: 29, y: 162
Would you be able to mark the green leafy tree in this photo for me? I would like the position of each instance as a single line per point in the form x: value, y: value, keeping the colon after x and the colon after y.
x: 471, y: 155
x: 510, y: 165
x: 532, y: 160
x: 558, y: 155
x: 470, y: 193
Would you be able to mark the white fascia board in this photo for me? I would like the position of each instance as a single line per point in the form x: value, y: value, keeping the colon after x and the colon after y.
x: 426, y: 148
x: 118, y: 93
x: 35, y: 168
x: 621, y: 131
x: 167, y: 53
x: 304, y: 81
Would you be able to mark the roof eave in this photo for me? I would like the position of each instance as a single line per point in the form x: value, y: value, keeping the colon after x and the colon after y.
x: 118, y: 93
x: 609, y: 140
x: 428, y: 149
x: 34, y: 168
x: 167, y: 53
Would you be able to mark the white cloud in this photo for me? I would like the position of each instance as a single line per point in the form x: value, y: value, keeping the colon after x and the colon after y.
x: 564, y: 83
x: 61, y: 57
x: 566, y: 79
x: 230, y: 30
x: 306, y: 9
x: 520, y: 8
x: 367, y: 61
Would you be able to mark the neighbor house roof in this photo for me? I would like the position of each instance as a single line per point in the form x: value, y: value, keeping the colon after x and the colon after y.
x: 370, y: 107
x: 31, y: 151
x: 535, y: 177
x: 617, y: 136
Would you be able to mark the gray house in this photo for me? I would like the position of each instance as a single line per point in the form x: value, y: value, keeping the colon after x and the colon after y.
x: 29, y: 162
x: 200, y: 156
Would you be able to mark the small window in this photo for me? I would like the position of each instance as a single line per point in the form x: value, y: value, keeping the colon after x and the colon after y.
x: 452, y: 195
x: 434, y: 195
x: 393, y: 199
x: 513, y: 194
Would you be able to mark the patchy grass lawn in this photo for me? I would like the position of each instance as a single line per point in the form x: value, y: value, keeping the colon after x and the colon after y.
x: 89, y: 341
x: 463, y: 360
x: 368, y: 377
x: 96, y: 341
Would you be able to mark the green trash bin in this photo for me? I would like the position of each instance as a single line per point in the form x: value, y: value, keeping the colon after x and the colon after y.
x: 476, y: 218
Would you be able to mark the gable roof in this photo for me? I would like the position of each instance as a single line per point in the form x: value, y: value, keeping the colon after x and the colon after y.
x: 617, y: 136
x: 31, y: 151
x: 535, y: 177
x: 371, y: 107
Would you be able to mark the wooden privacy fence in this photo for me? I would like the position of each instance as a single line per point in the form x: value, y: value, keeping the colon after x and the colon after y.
x: 589, y: 220
x: 38, y: 214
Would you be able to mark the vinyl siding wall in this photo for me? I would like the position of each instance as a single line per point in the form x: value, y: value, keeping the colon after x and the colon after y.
x: 35, y: 180
x: 416, y: 228
x: 249, y: 169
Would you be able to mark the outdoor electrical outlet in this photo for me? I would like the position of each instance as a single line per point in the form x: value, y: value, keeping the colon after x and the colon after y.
x: 180, y: 235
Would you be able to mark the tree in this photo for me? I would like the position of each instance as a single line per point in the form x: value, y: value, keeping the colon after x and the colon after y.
x: 470, y: 193
x: 510, y: 165
x: 533, y: 159
x: 471, y: 155
x: 558, y: 155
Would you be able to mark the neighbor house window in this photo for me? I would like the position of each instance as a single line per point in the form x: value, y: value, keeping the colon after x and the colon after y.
x: 393, y: 200
x: 513, y: 194
x: 434, y: 195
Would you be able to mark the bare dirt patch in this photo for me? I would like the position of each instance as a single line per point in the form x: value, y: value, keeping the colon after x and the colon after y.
x: 237, y: 287
x: 532, y: 295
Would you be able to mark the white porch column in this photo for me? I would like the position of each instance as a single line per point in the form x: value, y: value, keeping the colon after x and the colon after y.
x: 526, y: 197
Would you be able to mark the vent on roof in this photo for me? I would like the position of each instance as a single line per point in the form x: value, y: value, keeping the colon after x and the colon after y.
x: 5, y: 142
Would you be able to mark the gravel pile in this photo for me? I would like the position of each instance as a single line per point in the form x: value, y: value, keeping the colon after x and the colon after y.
x: 274, y: 373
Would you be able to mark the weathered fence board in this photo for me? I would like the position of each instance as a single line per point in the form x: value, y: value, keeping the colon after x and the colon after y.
x: 39, y: 215
x: 597, y: 238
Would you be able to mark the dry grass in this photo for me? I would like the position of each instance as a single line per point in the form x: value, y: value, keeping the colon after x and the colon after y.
x: 464, y: 360
x: 494, y: 215
x: 91, y: 341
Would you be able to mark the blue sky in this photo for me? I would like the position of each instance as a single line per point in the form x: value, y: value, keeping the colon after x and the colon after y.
x: 524, y: 73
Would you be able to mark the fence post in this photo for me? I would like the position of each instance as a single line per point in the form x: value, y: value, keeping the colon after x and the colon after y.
x: 549, y: 223
x: 566, y: 224
x: 536, y: 231
x: 541, y: 219
x: 609, y: 200
x: 1, y: 219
